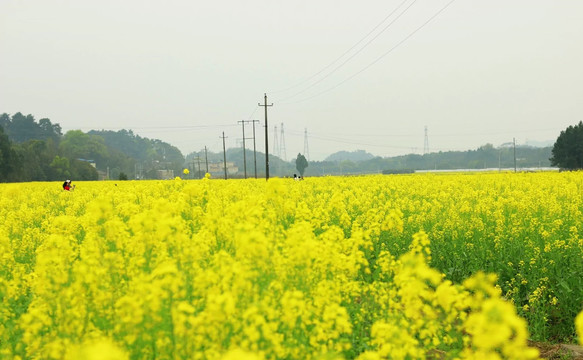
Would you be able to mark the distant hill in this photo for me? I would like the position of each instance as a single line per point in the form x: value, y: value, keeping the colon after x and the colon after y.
x: 355, y: 156
x: 485, y: 157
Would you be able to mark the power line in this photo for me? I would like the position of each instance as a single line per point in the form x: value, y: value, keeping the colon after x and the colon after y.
x: 348, y: 51
x: 344, y: 141
x: 376, y: 134
x: 338, y: 140
x: 184, y: 127
x: 413, y: 135
x: 378, y: 59
x: 252, y: 113
x: 364, y: 143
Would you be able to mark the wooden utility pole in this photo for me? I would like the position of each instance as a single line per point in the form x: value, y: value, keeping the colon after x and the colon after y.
x: 266, y: 135
x: 206, y: 158
x: 254, y: 146
x: 199, y: 172
x: 244, y: 152
x: 254, y: 150
x: 224, y: 155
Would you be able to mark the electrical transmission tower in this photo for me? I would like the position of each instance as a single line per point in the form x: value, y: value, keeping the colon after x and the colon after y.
x: 282, y: 144
x: 306, y: 149
x: 139, y: 171
x: 275, y: 143
x: 426, y: 143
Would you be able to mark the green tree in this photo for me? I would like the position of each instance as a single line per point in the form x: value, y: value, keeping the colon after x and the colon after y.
x: 36, y: 156
x: 61, y: 167
x: 567, y: 152
x: 301, y: 163
x: 4, y: 121
x: 82, y: 170
x: 22, y: 128
x: 49, y: 129
x: 9, y: 163
x: 78, y: 145
x: 126, y: 149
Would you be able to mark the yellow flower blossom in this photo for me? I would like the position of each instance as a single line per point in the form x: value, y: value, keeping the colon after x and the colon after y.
x: 372, y: 267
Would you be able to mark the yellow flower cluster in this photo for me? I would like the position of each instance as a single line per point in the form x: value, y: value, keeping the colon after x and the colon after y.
x: 428, y: 314
x: 326, y: 268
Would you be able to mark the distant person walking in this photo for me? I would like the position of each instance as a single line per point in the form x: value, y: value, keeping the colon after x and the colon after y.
x: 67, y: 186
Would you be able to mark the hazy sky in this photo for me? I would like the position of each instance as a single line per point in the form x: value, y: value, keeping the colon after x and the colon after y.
x: 356, y: 74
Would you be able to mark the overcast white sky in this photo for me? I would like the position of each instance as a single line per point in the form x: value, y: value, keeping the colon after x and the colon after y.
x: 482, y: 71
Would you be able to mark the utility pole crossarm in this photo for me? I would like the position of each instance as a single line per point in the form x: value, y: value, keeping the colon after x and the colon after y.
x: 254, y: 146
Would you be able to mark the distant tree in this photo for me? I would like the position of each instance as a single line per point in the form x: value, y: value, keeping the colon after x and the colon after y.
x: 4, y: 121
x: 126, y: 149
x: 169, y: 156
x: 78, y: 145
x: 123, y: 176
x: 301, y: 163
x: 36, y: 157
x: 49, y: 129
x: 567, y: 153
x: 61, y: 167
x: 22, y: 128
x: 355, y: 156
x: 8, y: 158
x: 126, y: 142
x: 347, y: 167
x: 83, y: 170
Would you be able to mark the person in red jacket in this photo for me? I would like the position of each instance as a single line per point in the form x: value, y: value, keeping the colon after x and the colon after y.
x: 67, y: 186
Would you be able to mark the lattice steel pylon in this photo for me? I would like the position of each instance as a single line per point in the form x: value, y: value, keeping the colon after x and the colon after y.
x: 426, y: 143
x: 306, y: 148
x: 282, y: 144
x: 275, y: 144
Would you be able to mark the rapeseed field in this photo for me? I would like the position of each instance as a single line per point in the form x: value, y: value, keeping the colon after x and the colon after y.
x: 373, y: 267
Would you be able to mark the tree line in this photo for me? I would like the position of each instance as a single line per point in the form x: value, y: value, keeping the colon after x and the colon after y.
x: 32, y: 150
x: 347, y: 163
x: 485, y: 157
x: 566, y: 154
